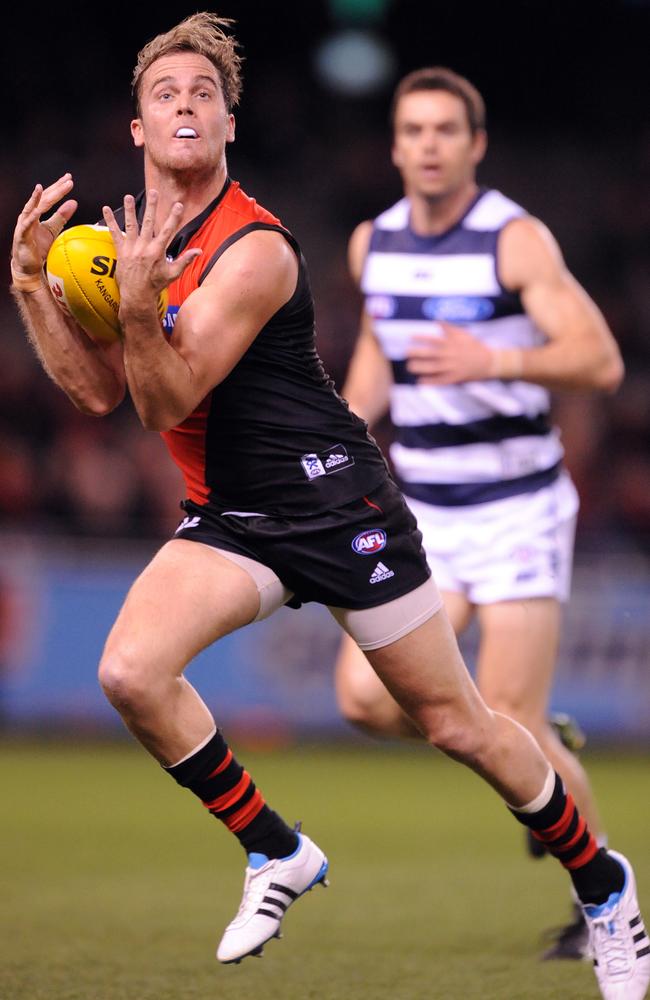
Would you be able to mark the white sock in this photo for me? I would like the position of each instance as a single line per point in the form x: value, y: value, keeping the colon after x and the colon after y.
x: 196, y: 749
x: 540, y: 800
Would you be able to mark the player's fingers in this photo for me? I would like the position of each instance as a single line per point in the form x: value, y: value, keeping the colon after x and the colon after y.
x: 55, y: 223
x: 424, y: 366
x: 33, y: 201
x: 431, y: 352
x: 176, y: 267
x: 111, y: 223
x: 420, y: 346
x: 442, y: 378
x: 30, y: 214
x: 68, y: 208
x: 54, y: 192
x: 433, y: 335
x: 170, y: 225
x: 57, y: 189
x: 130, y: 218
x: 42, y: 199
x: 151, y: 205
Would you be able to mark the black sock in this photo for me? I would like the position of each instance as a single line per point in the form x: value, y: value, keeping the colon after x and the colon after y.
x: 565, y: 834
x: 595, y: 881
x: 228, y: 792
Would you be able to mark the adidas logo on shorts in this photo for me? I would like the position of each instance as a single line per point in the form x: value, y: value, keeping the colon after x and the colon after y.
x: 380, y: 573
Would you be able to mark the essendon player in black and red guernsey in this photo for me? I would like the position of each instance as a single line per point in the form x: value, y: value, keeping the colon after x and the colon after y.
x: 250, y: 439
x: 288, y: 498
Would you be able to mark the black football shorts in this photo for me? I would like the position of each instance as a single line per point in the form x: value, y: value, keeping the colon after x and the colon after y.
x: 360, y: 555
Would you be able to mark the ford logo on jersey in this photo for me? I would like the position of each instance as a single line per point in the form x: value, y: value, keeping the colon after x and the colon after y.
x: 458, y: 308
x: 369, y: 542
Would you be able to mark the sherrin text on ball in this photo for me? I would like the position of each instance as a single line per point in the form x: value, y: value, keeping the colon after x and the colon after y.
x: 81, y: 268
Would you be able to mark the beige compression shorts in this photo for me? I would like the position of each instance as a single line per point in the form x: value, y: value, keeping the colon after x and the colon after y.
x: 371, y: 628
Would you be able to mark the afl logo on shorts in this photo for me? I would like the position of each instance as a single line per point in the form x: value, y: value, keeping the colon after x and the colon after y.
x: 369, y: 542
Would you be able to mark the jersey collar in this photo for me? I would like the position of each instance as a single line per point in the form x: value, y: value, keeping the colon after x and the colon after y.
x: 183, y: 237
x: 482, y: 190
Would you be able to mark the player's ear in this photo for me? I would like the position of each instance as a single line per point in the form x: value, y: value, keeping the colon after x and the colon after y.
x: 479, y: 146
x: 137, y: 132
x: 395, y: 157
x: 230, y: 130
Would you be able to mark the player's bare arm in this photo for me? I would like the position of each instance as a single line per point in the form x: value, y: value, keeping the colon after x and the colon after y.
x: 580, y: 352
x: 216, y: 324
x: 358, y: 250
x: 90, y: 373
x: 369, y: 377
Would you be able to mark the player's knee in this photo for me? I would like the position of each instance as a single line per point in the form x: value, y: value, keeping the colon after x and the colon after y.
x: 123, y: 681
x: 373, y: 712
x: 517, y: 708
x: 367, y: 717
x: 454, y: 733
x: 355, y: 706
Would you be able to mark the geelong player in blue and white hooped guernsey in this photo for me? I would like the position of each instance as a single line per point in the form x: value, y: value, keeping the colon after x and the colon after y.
x: 470, y: 318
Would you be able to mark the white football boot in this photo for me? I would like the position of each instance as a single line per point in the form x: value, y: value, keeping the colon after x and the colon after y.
x: 619, y: 941
x: 270, y: 887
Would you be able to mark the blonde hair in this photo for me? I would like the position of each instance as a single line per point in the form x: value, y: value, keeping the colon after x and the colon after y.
x: 201, y: 33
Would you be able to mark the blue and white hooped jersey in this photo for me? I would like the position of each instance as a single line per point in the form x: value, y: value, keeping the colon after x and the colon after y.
x: 476, y: 441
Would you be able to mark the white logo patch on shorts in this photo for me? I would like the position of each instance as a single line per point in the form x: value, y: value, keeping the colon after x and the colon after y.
x: 380, y: 573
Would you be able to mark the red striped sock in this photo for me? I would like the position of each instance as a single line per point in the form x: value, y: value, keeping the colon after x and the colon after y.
x: 229, y: 794
x: 564, y: 832
x: 569, y: 838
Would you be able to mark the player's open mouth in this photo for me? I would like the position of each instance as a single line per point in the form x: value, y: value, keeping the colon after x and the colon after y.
x: 186, y: 133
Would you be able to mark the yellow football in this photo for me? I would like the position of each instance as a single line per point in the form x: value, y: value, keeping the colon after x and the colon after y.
x: 81, y: 274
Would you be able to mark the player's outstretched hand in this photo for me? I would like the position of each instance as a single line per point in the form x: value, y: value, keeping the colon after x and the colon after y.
x: 143, y: 268
x: 33, y: 238
x: 453, y: 356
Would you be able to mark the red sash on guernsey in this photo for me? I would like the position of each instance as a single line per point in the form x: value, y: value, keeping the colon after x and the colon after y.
x: 186, y: 442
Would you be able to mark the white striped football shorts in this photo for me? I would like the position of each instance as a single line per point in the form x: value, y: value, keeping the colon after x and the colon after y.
x: 515, y: 548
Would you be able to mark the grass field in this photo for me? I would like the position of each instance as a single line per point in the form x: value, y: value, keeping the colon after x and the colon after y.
x: 116, y: 885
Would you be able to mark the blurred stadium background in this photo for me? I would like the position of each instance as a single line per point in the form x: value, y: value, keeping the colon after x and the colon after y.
x: 84, y: 503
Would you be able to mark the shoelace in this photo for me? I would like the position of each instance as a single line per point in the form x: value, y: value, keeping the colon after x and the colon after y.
x: 255, y: 885
x: 611, y: 946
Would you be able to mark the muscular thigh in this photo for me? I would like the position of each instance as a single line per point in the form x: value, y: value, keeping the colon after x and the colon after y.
x: 186, y: 598
x: 517, y: 655
x: 425, y: 673
x: 356, y: 678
